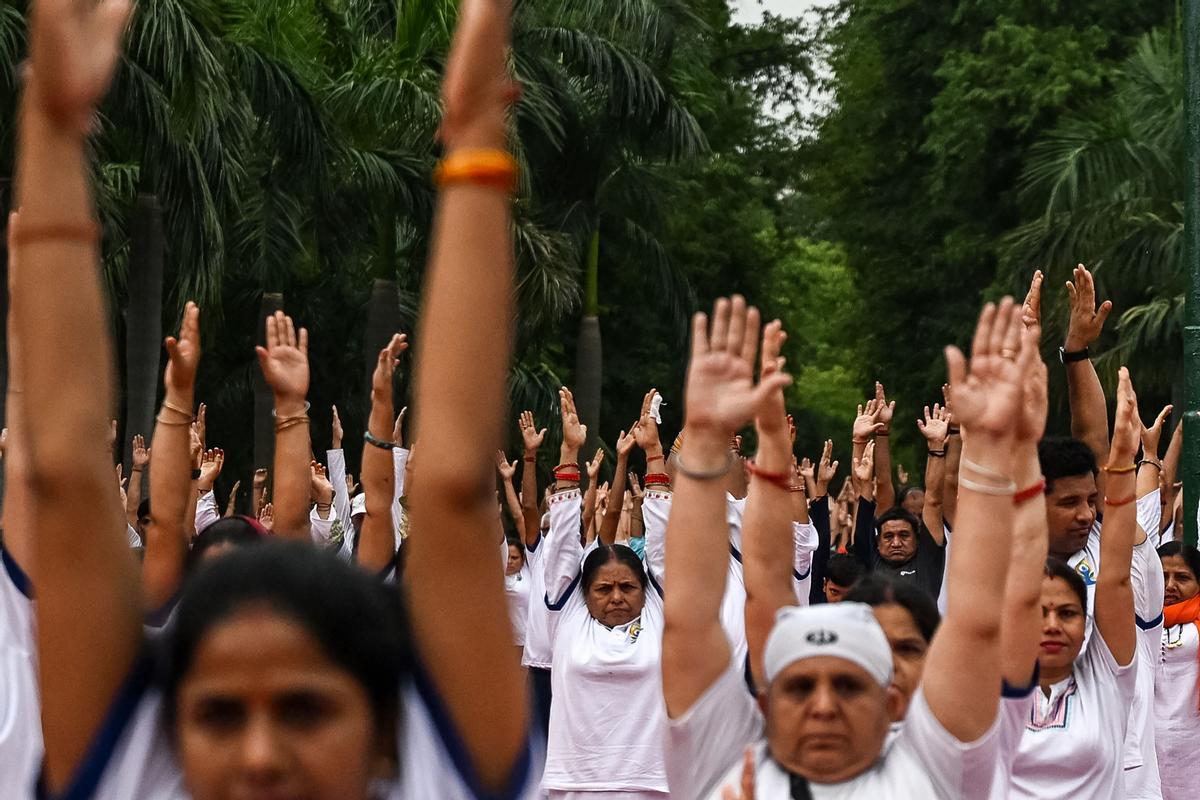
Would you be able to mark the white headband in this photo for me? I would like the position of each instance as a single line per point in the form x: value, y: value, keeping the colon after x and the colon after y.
x: 840, y: 630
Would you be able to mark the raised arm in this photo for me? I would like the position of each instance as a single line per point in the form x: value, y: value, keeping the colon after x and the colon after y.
x: 88, y: 609
x: 885, y: 490
x: 1114, y: 587
x: 512, y: 503
x: 589, y: 497
x: 1021, y: 622
x: 1089, y: 412
x: 1170, y: 469
x: 457, y: 592
x: 767, y: 544
x: 377, y: 540
x: 986, y: 399
x: 721, y: 397
x: 1150, y: 467
x: 532, y: 438
x: 953, y: 463
x: 137, y: 473
x: 18, y: 519
x: 936, y: 430
x: 616, y: 493
x: 284, y: 363
x: 336, y: 459
x: 167, y: 533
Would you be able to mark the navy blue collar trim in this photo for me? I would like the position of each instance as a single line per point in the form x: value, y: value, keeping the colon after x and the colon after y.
x: 562, y: 601
x: 518, y: 779
x: 16, y: 574
x: 95, y: 762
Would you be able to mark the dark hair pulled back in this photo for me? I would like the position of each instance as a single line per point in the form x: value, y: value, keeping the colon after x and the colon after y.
x: 608, y: 553
x: 878, y: 589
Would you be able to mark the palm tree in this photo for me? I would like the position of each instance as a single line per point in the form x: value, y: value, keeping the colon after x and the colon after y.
x: 1106, y: 188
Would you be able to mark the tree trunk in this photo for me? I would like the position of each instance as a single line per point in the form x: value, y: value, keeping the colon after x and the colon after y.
x: 264, y: 399
x: 589, y: 356
x: 383, y: 322
x: 143, y: 322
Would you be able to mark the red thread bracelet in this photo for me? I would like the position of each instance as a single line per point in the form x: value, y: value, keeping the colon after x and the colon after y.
x: 1028, y: 494
x: 561, y: 466
x: 781, y: 479
x: 1122, y: 502
x: 652, y: 459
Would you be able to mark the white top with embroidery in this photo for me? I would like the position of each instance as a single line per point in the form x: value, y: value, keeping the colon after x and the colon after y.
x: 20, y: 709
x: 1177, y: 710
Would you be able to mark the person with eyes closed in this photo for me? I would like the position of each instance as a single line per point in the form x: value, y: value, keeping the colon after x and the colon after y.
x: 287, y: 673
x: 605, y: 626
x: 1177, y: 677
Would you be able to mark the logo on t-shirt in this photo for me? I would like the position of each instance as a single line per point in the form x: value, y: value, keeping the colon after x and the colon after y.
x: 635, y: 630
x: 1086, y: 572
x: 821, y: 637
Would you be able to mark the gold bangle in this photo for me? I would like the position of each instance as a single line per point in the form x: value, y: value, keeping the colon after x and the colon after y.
x: 1121, y: 470
x: 487, y: 167
x: 290, y: 422
x: 175, y: 423
x: 167, y: 404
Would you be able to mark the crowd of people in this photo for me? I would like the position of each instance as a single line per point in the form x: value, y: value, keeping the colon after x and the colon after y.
x: 724, y: 626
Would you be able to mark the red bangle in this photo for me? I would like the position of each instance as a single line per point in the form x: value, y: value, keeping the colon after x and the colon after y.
x: 657, y: 479
x: 1030, y: 493
x: 1118, y: 503
x: 781, y: 479
x: 562, y: 466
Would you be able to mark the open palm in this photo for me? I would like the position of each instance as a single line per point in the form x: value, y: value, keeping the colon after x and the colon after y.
x: 987, y: 396
x: 284, y: 360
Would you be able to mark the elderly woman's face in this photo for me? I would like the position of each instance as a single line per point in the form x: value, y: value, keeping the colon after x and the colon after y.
x: 615, y: 595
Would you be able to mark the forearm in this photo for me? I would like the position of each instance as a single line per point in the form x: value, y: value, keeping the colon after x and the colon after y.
x: 885, y: 490
x: 336, y: 459
x: 1089, y: 412
x: 950, y: 486
x: 935, y: 480
x: 1021, y: 622
x: 695, y: 649
x: 293, y: 451
x: 530, y: 525
x: 1114, y: 607
x: 513, y: 504
x: 133, y: 495
x: 377, y: 540
x: 612, y: 515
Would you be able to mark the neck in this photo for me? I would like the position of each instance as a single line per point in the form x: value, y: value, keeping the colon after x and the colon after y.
x: 1049, y: 677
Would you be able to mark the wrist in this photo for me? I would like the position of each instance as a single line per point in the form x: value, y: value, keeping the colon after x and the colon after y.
x: 290, y: 405
x: 1074, y: 344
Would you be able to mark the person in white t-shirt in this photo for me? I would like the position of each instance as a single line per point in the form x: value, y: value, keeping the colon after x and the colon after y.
x: 605, y: 626
x: 824, y: 671
x: 1177, y: 674
x: 287, y: 671
x: 1075, y: 727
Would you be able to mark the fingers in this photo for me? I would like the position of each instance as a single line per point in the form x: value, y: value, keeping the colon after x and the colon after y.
x: 983, y: 331
x: 956, y: 369
x: 700, y: 345
x: 737, y: 326
x: 1003, y: 337
x: 1102, y: 313
x: 720, y: 325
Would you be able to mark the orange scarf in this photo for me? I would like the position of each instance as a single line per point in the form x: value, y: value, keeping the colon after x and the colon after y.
x: 1181, y: 614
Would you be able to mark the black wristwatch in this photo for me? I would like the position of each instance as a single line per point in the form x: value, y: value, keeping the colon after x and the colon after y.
x: 1071, y: 356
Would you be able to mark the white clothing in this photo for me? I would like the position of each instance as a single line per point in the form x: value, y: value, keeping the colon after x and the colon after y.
x: 137, y: 760
x: 132, y: 538
x: 516, y: 590
x: 399, y: 468
x: 921, y: 760
x: 943, y: 599
x: 607, y: 716
x: 20, y: 708
x: 537, y: 624
x: 206, y: 510
x: 336, y: 461
x: 1074, y: 738
x: 321, y: 530
x: 1176, y: 714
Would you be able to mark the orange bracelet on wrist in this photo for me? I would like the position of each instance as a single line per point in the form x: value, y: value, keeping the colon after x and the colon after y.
x: 79, y: 232
x: 494, y: 169
x: 1124, y: 501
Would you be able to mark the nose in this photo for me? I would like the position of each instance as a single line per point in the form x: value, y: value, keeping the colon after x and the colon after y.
x: 1050, y: 623
x: 262, y: 751
x: 823, y: 702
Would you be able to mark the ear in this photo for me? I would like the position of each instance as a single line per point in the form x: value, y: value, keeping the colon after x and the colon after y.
x: 895, y: 703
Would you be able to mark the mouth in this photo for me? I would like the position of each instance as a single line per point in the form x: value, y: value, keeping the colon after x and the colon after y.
x: 1052, y: 648
x: 824, y: 741
x: 1171, y: 598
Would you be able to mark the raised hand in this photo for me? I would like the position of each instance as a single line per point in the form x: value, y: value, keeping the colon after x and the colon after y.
x: 200, y: 426
x: 988, y: 394
x: 322, y: 489
x: 772, y: 416
x: 602, y: 499
x: 338, y: 433
x: 231, y: 506
x: 574, y: 432
x: 385, y: 368
x: 721, y: 393
x: 1031, y: 310
x: 593, y: 466
x: 506, y: 470
x: 902, y: 474
x: 398, y: 428
x: 183, y: 353
x: 626, y: 442
x: 476, y: 91
x: 210, y: 468
x: 530, y: 435
x: 141, y: 453
x: 1087, y: 321
x: 73, y: 50
x: 826, y: 469
x: 806, y: 474
x: 1152, y: 435
x: 1127, y: 426
x: 266, y: 516
x: 864, y: 468
x: 284, y: 360
x: 866, y: 422
x: 645, y: 432
x: 884, y: 411
x: 260, y: 479
x: 745, y: 790
x: 121, y: 481
x: 635, y: 487
x: 935, y: 427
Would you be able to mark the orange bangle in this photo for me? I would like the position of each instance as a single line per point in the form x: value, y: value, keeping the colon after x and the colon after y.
x: 494, y: 169
x: 81, y: 232
x: 1121, y: 470
x: 1122, y: 502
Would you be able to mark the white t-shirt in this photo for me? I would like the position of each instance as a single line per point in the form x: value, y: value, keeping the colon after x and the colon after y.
x: 537, y: 625
x: 516, y: 590
x: 20, y: 709
x: 1176, y: 714
x: 1073, y: 739
x: 922, y: 760
x: 607, y: 716
x: 135, y: 758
